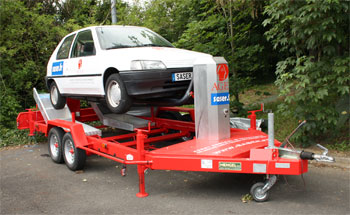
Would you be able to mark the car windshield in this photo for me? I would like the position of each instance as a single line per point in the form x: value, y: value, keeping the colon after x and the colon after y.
x: 128, y: 37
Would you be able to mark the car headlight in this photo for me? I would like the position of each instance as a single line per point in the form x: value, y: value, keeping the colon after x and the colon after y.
x: 147, y: 64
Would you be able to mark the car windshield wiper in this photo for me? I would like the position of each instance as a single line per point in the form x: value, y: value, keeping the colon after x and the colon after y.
x: 152, y: 45
x: 119, y: 46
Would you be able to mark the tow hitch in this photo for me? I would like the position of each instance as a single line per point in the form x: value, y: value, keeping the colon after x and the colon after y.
x: 311, y: 156
x: 304, y: 155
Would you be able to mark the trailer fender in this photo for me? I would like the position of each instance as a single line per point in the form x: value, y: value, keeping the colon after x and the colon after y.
x: 23, y: 120
x: 77, y: 131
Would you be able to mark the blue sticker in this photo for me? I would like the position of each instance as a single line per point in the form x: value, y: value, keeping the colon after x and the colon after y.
x: 57, y: 68
x: 220, y: 98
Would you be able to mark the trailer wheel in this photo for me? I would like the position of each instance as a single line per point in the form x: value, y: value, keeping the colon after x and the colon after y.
x: 55, y: 144
x: 170, y: 115
x: 117, y: 98
x: 257, y: 194
x: 187, y: 118
x: 57, y: 100
x: 73, y: 157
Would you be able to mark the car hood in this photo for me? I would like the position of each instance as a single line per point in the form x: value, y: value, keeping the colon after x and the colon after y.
x: 171, y: 57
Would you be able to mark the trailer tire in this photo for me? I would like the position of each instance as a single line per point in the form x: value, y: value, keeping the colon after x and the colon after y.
x: 256, y: 193
x: 187, y: 118
x: 175, y: 116
x: 170, y: 115
x: 57, y: 100
x: 73, y: 157
x: 55, y: 144
x: 117, y: 98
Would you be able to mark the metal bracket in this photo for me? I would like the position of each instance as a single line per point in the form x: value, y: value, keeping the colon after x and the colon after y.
x: 269, y: 183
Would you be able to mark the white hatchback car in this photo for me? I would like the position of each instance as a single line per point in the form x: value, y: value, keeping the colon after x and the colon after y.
x: 119, y: 66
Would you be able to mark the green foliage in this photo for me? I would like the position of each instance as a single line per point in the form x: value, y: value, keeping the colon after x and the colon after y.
x: 228, y: 29
x: 315, y: 75
x: 284, y: 123
x: 238, y: 87
x: 167, y: 17
x: 13, y: 137
x: 27, y: 38
x: 343, y: 146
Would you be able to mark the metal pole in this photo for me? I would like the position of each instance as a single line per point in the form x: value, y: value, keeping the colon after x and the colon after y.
x: 271, y: 131
x: 113, y: 12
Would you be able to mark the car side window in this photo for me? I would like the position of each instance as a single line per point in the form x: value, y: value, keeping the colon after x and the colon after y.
x: 83, y: 45
x: 63, y: 52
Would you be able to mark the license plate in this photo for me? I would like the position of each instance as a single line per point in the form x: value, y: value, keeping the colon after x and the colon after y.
x: 182, y: 76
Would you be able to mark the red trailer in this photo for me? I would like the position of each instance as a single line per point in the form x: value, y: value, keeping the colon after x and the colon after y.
x: 161, y: 138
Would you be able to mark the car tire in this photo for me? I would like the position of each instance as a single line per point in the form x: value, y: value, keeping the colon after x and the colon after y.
x: 73, y: 157
x: 57, y: 100
x: 55, y: 144
x: 117, y: 98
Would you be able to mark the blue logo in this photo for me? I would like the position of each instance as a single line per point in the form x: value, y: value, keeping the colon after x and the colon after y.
x: 57, y: 68
x: 220, y: 98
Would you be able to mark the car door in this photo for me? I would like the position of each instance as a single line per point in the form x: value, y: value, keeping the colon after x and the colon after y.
x: 61, y: 63
x: 85, y: 78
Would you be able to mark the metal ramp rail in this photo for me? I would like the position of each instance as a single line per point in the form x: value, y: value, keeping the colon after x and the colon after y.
x: 127, y: 121
x: 50, y: 113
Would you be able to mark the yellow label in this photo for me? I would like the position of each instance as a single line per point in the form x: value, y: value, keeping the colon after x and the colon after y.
x: 230, y: 166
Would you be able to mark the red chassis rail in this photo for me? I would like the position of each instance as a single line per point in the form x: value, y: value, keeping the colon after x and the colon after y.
x: 149, y: 147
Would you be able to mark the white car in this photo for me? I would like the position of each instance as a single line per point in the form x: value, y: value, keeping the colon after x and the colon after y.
x: 119, y: 66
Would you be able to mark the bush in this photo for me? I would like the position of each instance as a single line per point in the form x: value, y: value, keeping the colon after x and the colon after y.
x: 315, y: 75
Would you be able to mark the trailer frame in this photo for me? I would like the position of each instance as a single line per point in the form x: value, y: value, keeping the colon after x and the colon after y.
x: 246, y: 151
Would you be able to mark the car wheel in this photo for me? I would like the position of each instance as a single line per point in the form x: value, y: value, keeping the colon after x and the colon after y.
x: 57, y: 100
x: 117, y: 98
x: 73, y: 157
x: 55, y: 144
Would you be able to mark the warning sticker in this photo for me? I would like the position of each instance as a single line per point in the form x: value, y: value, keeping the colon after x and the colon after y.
x: 282, y: 165
x: 230, y: 166
x: 206, y: 164
x: 259, y: 168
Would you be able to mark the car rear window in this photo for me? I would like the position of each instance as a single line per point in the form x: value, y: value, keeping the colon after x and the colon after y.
x: 126, y: 37
x: 63, y: 52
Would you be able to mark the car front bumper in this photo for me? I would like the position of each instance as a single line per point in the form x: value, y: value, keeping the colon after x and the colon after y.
x: 153, y: 83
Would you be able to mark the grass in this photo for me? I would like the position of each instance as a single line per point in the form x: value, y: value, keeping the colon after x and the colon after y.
x: 258, y: 93
x: 268, y: 94
x: 285, y: 124
x: 342, y: 146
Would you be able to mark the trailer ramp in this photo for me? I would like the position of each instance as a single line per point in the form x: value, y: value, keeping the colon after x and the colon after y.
x: 50, y: 113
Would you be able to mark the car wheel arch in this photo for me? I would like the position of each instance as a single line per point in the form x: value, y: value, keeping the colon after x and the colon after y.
x: 49, y: 82
x: 107, y: 73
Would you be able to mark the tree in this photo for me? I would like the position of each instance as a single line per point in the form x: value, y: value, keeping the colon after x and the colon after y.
x: 315, y: 74
x: 26, y: 41
x: 233, y: 29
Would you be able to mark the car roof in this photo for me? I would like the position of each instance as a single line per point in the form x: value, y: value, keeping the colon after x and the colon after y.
x: 107, y: 26
x: 102, y: 26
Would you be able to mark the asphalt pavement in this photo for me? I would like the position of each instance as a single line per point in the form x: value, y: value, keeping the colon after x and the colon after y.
x: 32, y: 184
